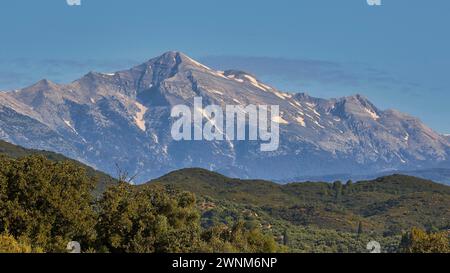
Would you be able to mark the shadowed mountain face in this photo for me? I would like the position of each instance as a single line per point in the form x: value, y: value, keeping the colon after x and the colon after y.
x: 124, y: 119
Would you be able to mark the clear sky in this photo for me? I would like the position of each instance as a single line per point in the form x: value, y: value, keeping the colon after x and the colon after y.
x: 396, y: 54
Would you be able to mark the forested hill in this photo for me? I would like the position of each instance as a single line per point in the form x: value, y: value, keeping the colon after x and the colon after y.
x: 47, y: 200
x: 14, y: 151
x: 387, y: 205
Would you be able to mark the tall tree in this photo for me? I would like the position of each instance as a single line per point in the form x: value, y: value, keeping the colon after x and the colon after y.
x: 360, y: 229
x: 50, y: 203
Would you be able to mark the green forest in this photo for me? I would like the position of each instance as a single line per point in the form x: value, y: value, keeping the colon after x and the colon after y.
x: 47, y: 200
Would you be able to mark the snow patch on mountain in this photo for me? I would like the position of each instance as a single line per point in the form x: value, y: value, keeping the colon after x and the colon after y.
x: 318, y: 124
x: 372, y: 114
x: 257, y: 84
x: 280, y: 120
x: 197, y: 63
x: 218, y: 73
x: 70, y: 126
x: 301, y: 121
x: 139, y: 118
x: 406, y: 137
x: 215, y: 91
x: 155, y: 138
x: 233, y: 77
x: 316, y: 113
x: 324, y: 136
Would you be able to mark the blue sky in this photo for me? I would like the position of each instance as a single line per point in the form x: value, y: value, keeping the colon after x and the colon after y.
x: 397, y: 54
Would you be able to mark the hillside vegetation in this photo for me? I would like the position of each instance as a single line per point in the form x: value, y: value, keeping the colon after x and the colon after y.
x: 329, y: 216
x: 47, y: 200
x: 46, y: 204
x: 14, y: 151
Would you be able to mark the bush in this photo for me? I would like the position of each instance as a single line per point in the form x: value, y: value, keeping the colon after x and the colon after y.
x: 147, y: 220
x: 419, y: 241
x: 8, y: 244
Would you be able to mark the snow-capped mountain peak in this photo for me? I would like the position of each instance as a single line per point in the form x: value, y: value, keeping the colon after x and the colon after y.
x: 123, y: 118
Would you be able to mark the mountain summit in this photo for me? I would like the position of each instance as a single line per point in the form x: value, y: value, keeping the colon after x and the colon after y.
x: 123, y: 119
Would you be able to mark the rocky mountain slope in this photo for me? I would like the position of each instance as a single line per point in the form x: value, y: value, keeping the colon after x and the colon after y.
x: 124, y: 119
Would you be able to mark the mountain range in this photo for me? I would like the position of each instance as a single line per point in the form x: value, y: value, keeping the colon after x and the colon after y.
x: 122, y: 120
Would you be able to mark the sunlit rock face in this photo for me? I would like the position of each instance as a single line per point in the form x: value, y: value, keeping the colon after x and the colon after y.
x: 123, y: 119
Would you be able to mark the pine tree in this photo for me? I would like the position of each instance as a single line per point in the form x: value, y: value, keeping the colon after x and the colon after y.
x: 360, y: 229
x: 286, y: 239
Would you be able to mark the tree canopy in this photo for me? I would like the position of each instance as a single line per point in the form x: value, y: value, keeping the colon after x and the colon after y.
x: 46, y: 204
